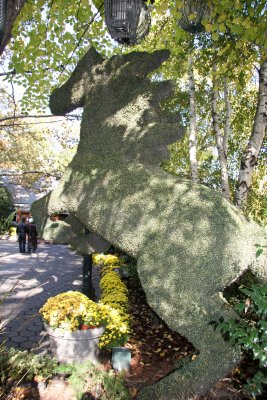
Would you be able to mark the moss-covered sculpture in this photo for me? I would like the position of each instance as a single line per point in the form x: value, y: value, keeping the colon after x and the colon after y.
x: 190, y: 243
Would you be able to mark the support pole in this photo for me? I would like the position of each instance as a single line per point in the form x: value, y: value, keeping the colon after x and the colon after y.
x: 88, y: 289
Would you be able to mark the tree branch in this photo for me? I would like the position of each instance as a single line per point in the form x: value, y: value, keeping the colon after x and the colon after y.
x: 71, y: 116
x: 13, y: 72
x: 30, y: 123
x: 81, y: 37
x: 28, y: 173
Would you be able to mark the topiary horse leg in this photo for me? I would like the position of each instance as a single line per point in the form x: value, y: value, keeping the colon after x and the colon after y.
x: 216, y: 358
x: 185, y: 301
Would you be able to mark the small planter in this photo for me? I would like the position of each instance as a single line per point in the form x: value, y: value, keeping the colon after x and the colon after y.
x: 121, y: 358
x: 75, y: 347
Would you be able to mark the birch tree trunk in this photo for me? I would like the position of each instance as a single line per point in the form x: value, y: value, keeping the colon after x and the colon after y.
x: 221, y: 139
x: 193, y: 123
x: 250, y: 155
x: 228, y: 112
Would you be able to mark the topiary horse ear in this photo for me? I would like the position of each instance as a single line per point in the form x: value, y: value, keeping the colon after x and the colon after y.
x: 73, y: 90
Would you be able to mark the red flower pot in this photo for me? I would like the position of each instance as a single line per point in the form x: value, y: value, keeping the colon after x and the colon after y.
x: 84, y: 327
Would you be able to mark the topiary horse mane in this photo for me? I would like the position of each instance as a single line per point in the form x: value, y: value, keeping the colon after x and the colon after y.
x: 189, y: 242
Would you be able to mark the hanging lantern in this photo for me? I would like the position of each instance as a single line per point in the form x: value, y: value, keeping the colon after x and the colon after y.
x: 128, y: 21
x: 3, y: 12
x: 193, y: 12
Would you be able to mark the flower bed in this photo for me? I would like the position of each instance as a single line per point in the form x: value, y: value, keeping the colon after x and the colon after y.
x: 114, y: 294
x: 72, y: 311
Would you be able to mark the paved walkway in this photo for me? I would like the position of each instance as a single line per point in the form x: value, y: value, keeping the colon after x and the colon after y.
x: 28, y: 281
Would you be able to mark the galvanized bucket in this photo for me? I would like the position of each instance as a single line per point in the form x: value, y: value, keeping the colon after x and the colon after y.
x: 75, y: 347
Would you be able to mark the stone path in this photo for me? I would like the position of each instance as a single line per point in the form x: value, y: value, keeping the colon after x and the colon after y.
x: 26, y: 282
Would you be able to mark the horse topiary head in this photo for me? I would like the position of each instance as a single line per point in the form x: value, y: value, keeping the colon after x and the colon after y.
x: 122, y: 120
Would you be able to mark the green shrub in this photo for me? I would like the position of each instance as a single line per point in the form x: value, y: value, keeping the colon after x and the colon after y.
x: 6, y: 203
x: 5, y: 223
x: 88, y: 378
x: 16, y: 365
x: 250, y: 332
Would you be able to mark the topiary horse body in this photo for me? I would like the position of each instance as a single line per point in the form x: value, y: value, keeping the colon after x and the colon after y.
x: 190, y: 243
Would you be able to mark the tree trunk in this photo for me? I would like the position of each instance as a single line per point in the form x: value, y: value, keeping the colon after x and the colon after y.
x: 227, y: 116
x: 221, y: 140
x: 13, y: 8
x: 193, y: 123
x: 250, y: 155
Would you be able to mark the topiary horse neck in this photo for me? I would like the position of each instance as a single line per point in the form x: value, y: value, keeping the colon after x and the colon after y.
x: 189, y: 242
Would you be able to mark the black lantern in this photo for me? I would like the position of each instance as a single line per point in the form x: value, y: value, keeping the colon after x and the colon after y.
x: 3, y: 12
x: 193, y: 12
x: 128, y: 21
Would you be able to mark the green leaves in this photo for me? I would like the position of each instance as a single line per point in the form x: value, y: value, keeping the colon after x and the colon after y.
x: 254, y: 385
x: 250, y: 332
x: 260, y: 250
x: 258, y: 296
x: 49, y: 38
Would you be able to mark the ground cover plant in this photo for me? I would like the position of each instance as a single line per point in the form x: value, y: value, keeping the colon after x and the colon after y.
x: 17, y: 366
x: 90, y: 381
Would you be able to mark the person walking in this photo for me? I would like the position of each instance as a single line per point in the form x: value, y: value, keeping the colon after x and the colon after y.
x: 32, y: 237
x: 22, y: 230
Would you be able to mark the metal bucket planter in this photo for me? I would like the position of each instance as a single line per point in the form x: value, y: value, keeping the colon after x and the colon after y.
x: 75, y: 347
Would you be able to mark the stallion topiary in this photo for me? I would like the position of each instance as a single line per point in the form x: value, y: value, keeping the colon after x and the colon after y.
x: 189, y: 242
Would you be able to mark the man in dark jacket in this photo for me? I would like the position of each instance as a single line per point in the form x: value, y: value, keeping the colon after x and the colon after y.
x: 22, y: 230
x: 32, y: 237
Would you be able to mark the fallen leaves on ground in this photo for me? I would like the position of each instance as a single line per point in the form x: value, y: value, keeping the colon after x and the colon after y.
x: 155, y: 348
x: 156, y: 351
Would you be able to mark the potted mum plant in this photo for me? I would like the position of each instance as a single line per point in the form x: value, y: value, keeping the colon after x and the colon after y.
x: 78, y: 327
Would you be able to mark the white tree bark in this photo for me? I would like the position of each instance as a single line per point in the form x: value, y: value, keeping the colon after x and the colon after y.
x: 221, y: 138
x: 228, y: 112
x: 251, y: 152
x: 193, y: 123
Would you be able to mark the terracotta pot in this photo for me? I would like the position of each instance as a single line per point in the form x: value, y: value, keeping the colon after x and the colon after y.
x: 84, y: 327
